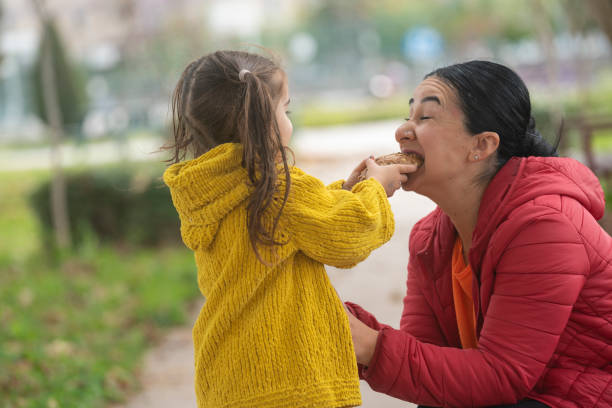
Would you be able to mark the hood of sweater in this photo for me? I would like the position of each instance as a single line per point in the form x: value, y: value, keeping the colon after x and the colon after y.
x: 204, y: 190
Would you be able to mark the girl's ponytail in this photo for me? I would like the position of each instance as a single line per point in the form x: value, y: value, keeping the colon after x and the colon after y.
x: 230, y: 97
x: 260, y: 152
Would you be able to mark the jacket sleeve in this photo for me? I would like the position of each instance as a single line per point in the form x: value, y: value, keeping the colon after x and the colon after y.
x: 418, y: 318
x: 335, y: 226
x: 540, y: 272
x: 367, y: 318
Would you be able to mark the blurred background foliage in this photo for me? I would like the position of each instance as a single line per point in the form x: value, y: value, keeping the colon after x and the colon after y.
x: 127, y: 206
x: 76, y: 320
x: 69, y: 83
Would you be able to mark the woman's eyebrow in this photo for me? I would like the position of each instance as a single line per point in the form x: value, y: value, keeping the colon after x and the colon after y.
x: 427, y: 99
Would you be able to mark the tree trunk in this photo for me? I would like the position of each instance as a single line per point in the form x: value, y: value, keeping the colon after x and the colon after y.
x: 59, y: 207
x: 601, y: 10
x: 546, y: 37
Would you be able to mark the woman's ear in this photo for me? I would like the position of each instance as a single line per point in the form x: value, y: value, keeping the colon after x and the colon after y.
x: 485, y: 144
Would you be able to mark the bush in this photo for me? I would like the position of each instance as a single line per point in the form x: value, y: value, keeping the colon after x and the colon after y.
x: 113, y: 205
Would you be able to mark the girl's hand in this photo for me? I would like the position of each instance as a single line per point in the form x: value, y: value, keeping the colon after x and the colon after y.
x: 354, y: 177
x: 364, y: 339
x: 392, y: 176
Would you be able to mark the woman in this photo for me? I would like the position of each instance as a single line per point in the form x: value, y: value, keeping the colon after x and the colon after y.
x: 509, y: 291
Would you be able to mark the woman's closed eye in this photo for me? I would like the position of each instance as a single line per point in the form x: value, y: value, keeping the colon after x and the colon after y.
x: 420, y: 118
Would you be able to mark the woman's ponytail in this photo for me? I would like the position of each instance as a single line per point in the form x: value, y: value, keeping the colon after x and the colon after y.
x: 533, y: 144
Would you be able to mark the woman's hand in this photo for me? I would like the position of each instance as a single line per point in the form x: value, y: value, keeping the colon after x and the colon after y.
x: 364, y: 339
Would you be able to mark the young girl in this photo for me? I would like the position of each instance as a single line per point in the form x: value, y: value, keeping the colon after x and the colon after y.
x: 272, y: 332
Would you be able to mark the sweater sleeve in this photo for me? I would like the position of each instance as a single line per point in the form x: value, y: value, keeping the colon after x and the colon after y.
x: 336, y: 185
x: 539, y: 275
x: 335, y: 226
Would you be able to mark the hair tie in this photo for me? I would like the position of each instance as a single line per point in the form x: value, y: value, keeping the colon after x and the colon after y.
x: 242, y: 73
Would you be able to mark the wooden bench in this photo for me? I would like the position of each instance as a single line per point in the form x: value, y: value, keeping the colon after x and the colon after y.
x: 586, y: 127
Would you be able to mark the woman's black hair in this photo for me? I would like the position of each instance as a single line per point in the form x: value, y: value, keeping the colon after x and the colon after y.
x: 494, y: 98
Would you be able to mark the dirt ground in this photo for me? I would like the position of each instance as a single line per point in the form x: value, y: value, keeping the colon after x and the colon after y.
x: 377, y: 284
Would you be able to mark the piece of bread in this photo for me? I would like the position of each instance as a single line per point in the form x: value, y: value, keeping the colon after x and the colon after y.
x: 394, y: 158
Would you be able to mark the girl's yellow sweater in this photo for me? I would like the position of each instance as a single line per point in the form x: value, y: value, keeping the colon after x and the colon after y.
x: 273, y: 336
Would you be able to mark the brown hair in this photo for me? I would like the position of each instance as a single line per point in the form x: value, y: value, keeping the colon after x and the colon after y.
x: 212, y: 105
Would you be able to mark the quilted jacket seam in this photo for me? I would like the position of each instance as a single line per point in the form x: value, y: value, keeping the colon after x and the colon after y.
x: 599, y: 255
x: 523, y: 326
x: 548, y: 243
x: 577, y: 338
x: 579, y: 186
x: 602, y: 392
x: 536, y: 300
x: 517, y: 352
x: 400, y: 368
x: 578, y: 231
x: 587, y: 302
x: 557, y: 211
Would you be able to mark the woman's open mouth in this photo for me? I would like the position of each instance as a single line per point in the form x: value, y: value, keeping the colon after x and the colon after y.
x: 416, y: 157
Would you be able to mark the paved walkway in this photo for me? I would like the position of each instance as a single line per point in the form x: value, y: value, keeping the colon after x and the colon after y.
x: 377, y: 283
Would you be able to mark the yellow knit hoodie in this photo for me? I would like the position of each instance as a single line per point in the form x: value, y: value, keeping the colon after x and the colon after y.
x: 273, y: 336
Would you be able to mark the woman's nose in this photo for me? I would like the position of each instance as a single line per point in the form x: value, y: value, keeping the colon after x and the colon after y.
x: 406, y: 131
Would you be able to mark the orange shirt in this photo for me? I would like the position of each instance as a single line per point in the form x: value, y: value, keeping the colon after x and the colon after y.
x: 462, y: 295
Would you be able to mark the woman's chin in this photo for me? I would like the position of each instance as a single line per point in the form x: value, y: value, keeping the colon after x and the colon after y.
x: 407, y: 186
x: 411, y: 183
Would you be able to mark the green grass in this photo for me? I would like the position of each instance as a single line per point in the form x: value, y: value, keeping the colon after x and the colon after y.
x: 74, y: 330
x: 18, y: 227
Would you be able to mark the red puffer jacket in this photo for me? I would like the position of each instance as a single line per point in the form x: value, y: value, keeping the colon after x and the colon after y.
x: 543, y: 296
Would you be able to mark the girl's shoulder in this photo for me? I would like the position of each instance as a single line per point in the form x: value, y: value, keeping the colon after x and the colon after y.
x: 300, y: 179
x: 304, y: 189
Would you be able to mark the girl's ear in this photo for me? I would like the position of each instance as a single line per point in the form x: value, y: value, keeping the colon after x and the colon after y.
x: 485, y: 144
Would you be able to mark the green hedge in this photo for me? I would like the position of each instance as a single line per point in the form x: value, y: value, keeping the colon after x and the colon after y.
x: 113, y: 205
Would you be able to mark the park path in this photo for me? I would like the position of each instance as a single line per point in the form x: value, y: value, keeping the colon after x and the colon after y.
x: 377, y: 284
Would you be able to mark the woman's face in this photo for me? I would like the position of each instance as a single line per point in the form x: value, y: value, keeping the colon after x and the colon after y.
x: 435, y: 130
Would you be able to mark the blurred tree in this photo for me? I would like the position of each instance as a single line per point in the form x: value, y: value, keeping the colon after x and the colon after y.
x: 579, y: 17
x: 602, y: 12
x: 1, y: 15
x: 544, y: 28
x: 335, y: 25
x: 460, y: 22
x: 581, y: 22
x: 152, y: 58
x: 70, y: 98
x: 51, y: 75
